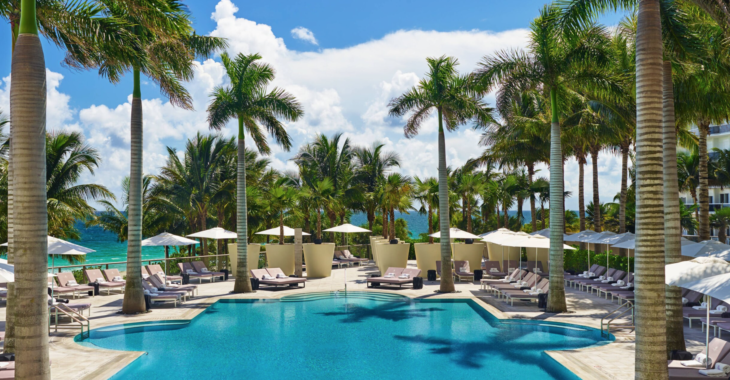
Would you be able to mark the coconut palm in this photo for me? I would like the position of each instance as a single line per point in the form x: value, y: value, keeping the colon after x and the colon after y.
x: 451, y: 96
x: 688, y: 175
x: 247, y: 99
x: 282, y: 198
x: 396, y: 191
x: 555, y: 65
x: 372, y: 165
x: 426, y: 194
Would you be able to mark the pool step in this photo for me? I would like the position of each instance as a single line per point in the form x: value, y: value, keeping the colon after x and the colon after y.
x: 375, y: 296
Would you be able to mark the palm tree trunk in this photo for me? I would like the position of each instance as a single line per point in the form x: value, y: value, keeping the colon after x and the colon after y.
x: 533, y: 211
x: 542, y: 214
x: 624, y: 183
x: 430, y: 224
x: 520, y: 201
x: 342, y: 235
x: 447, y: 279
x: 243, y: 281
x: 133, y: 293
x: 505, y: 215
x: 581, y: 192
x: 556, y: 295
x: 650, y: 311
x: 319, y: 224
x: 498, y: 216
x: 672, y: 222
x: 28, y: 118
x: 392, y: 223
x: 9, y: 345
x: 704, y: 196
x: 468, y: 215
x: 596, y: 198
x: 281, y: 228
x: 371, y: 218
x: 385, y: 223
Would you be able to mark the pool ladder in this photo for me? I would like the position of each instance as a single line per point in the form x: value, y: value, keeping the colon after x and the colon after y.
x: 615, y: 314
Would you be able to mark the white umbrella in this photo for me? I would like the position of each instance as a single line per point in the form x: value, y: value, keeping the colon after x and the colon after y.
x: 544, y: 232
x: 288, y: 231
x: 707, y: 248
x: 455, y: 233
x: 216, y: 233
x: 347, y: 228
x: 577, y: 237
x: 592, y: 239
x: 167, y: 239
x: 614, y: 239
x: 496, y: 237
x: 709, y: 276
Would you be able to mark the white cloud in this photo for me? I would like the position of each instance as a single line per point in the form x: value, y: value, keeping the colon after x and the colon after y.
x: 58, y: 110
x: 341, y: 90
x: 304, y: 34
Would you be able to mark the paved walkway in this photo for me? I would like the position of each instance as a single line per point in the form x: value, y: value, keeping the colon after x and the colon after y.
x: 612, y: 361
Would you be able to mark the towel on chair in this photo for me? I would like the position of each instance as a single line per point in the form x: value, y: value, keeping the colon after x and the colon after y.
x: 267, y: 277
x: 404, y: 276
x: 389, y: 275
x: 117, y: 278
x: 493, y: 270
x: 724, y: 368
x: 700, y: 361
x: 281, y: 275
x: 703, y: 306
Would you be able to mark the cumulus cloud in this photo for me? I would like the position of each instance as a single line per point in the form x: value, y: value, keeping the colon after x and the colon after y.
x: 304, y: 34
x: 341, y: 90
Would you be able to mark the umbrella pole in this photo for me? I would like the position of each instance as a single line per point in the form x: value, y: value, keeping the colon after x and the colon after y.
x: 166, y: 253
x: 53, y: 266
x: 707, y: 331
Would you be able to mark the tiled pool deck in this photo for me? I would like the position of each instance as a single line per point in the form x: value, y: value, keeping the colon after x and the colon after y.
x: 612, y: 361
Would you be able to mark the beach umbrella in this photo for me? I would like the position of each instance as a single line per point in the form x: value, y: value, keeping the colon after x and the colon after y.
x: 288, y: 231
x: 166, y: 240
x: 631, y: 245
x: 614, y: 239
x: 706, y: 275
x: 544, y: 232
x: 523, y: 240
x: 455, y: 233
x: 577, y: 237
x: 496, y: 237
x: 707, y: 248
x: 347, y: 228
x: 592, y: 239
x: 216, y: 233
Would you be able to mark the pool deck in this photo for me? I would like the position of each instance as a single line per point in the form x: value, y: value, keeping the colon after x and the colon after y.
x: 611, y: 361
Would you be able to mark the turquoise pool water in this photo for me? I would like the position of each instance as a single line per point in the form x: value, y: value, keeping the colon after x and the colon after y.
x: 357, y: 336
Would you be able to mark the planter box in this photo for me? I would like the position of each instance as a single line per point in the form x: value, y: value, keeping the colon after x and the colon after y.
x: 318, y: 258
x: 375, y: 240
x: 253, y: 257
x: 427, y: 255
x: 392, y: 256
x: 280, y: 256
x: 469, y: 252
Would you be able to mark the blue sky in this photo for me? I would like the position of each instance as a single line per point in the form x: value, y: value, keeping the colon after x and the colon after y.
x: 343, y: 60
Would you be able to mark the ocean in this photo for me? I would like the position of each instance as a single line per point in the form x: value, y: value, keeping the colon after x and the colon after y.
x: 108, y: 249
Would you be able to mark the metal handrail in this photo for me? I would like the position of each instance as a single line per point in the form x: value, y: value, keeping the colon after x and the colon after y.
x: 608, y: 324
x: 75, y: 316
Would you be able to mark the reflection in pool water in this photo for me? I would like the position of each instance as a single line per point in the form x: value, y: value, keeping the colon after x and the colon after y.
x: 358, y: 335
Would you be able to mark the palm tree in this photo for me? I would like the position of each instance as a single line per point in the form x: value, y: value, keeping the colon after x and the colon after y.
x: 721, y: 220
x: 455, y: 103
x: 396, y: 189
x: 688, y: 175
x: 163, y: 51
x: 114, y: 220
x: 247, y: 99
x: 372, y: 166
x: 427, y: 195
x: 554, y: 65
x: 28, y: 123
x: 282, y: 198
x: 67, y: 159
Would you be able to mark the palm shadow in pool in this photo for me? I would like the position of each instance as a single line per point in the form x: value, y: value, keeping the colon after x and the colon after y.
x: 474, y: 353
x: 391, y: 311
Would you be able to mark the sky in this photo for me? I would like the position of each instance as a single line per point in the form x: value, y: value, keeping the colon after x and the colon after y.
x: 342, y: 60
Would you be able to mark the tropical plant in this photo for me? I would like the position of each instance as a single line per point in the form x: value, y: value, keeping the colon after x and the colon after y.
x: 720, y: 220
x: 555, y: 64
x: 372, y: 165
x: 247, y: 99
x: 455, y: 103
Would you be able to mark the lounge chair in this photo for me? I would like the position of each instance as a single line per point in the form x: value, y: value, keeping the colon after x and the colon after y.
x: 339, y: 258
x: 690, y: 313
x: 157, y: 269
x: 113, y: 275
x: 719, y: 351
x: 149, y: 290
x: 525, y: 283
x: 587, y: 282
x: 614, y: 278
x: 597, y: 273
x: 462, y: 270
x: 516, y: 274
x: 492, y: 269
x: 276, y: 277
x: 722, y: 326
x: 621, y: 284
x: 692, y: 297
x: 159, y: 283
x: 570, y: 277
x: 199, y: 267
x: 394, y: 276
x: 188, y: 269
x: 77, y: 307
x: 59, y: 290
x: 354, y: 259
x: 67, y: 280
x: 95, y: 277
x: 528, y: 296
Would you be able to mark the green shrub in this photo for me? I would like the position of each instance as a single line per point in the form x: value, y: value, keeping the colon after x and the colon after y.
x: 578, y: 260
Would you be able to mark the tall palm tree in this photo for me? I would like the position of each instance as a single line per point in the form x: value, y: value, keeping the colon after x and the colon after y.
x: 396, y: 189
x: 282, y: 198
x: 455, y: 103
x: 247, y: 99
x: 30, y: 228
x: 164, y: 50
x: 372, y: 165
x: 426, y: 193
x: 555, y: 65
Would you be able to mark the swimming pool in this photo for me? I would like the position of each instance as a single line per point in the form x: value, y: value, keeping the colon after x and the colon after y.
x: 358, y: 335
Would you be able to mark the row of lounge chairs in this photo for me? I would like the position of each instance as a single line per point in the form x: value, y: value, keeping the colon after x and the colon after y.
x: 605, y: 281
x: 519, y: 285
x: 493, y: 268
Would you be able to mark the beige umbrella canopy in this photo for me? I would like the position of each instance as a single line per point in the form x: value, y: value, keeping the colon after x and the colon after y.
x: 347, y: 228
x: 455, y: 233
x: 216, y: 233
x: 288, y: 231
